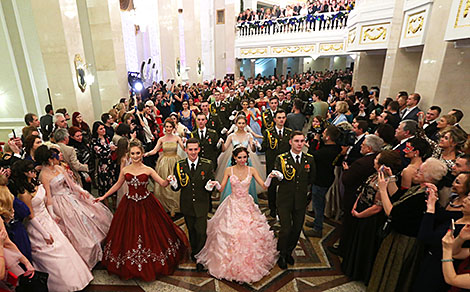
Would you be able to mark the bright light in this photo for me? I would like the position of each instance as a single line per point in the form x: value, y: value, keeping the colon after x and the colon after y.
x: 138, y: 86
x: 353, y: 56
x: 89, y: 79
x: 336, y: 59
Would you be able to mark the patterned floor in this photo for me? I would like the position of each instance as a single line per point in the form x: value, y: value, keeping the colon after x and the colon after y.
x: 315, y: 269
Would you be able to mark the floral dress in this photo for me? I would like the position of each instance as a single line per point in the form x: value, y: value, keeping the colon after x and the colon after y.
x: 106, y: 169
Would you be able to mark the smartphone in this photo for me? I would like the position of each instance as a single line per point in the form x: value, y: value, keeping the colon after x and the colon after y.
x: 452, y: 225
x: 14, y: 134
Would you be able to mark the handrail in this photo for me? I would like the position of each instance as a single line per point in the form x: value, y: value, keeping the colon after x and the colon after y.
x: 307, y: 23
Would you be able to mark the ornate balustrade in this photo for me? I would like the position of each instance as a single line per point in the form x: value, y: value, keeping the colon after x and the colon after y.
x: 295, y: 24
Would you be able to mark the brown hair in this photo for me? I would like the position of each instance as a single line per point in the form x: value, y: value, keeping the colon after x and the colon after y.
x: 6, y: 199
x: 390, y: 159
x: 169, y: 121
x: 28, y: 130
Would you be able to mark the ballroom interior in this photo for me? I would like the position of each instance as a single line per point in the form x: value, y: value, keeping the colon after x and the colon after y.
x: 78, y: 53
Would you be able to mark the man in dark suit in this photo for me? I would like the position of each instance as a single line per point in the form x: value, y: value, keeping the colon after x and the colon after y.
x: 354, y: 152
x: 405, y: 131
x: 191, y: 177
x: 284, y: 103
x: 233, y: 103
x: 219, y: 108
x: 412, y: 109
x: 458, y: 114
x: 267, y: 117
x: 275, y: 142
x: 430, y: 121
x: 298, y: 171
x: 46, y: 122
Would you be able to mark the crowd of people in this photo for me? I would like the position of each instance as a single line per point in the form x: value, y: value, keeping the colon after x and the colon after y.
x: 300, y: 9
x: 396, y: 175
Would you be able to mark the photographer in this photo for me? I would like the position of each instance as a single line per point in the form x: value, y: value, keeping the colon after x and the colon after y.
x: 319, y: 124
x: 325, y: 158
x: 296, y: 120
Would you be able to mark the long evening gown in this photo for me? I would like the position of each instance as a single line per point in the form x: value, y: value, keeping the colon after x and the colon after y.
x: 143, y: 242
x: 226, y: 159
x: 67, y: 270
x: 165, y: 166
x: 239, y: 246
x: 83, y: 222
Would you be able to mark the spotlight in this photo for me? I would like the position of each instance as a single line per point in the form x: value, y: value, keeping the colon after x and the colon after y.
x: 135, y: 82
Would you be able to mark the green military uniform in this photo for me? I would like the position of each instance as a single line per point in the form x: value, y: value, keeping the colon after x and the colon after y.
x: 208, y: 145
x: 291, y: 198
x: 267, y: 119
x: 194, y: 199
x: 234, y: 105
x: 273, y: 145
x: 221, y: 111
x: 286, y: 105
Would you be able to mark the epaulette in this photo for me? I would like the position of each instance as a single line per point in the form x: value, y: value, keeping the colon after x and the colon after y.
x: 270, y: 129
x: 211, y: 130
x: 181, y: 161
x: 308, y: 154
x: 284, y: 154
x: 205, y: 160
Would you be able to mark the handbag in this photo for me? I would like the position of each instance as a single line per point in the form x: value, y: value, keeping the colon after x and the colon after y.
x: 38, y: 283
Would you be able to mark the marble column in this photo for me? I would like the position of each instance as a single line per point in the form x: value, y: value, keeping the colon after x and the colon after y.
x: 444, y: 70
x: 368, y: 69
x: 252, y: 63
x: 401, y: 65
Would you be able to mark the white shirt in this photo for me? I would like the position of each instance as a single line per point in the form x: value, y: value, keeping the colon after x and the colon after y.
x: 407, y: 110
x: 203, y: 132
x: 295, y: 156
x: 281, y: 129
x: 195, y: 163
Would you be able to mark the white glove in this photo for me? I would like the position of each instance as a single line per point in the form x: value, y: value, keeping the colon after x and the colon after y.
x: 257, y: 144
x: 216, y: 185
x: 224, y: 130
x: 209, y: 185
x: 267, y: 182
x: 278, y: 174
x: 220, y: 142
x: 50, y: 209
x: 232, y: 117
x: 35, y: 223
x: 234, y: 112
x: 172, y: 180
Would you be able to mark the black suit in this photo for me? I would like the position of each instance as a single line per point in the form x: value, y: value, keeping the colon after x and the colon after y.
x: 233, y: 105
x: 355, y: 152
x: 222, y: 112
x: 399, y: 148
x: 431, y: 129
x: 411, y: 115
x: 194, y: 199
x: 291, y: 198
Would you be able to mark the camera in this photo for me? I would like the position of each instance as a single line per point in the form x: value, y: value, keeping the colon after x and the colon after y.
x: 346, y: 138
x: 307, y: 108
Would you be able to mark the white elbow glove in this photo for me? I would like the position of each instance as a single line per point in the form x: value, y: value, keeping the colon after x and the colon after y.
x: 35, y: 223
x: 267, y: 182
x: 278, y: 174
x: 257, y: 145
x: 172, y: 180
x: 209, y: 186
x: 220, y: 142
x: 224, y: 130
x: 50, y: 209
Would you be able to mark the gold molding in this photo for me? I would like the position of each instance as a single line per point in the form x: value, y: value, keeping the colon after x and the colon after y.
x: 293, y: 49
x: 335, y: 47
x: 351, y: 36
x: 254, y: 51
x: 466, y: 11
x: 411, y: 28
x: 374, y: 33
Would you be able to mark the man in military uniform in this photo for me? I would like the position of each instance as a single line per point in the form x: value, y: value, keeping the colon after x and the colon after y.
x: 298, y: 170
x: 191, y: 177
x: 208, y: 139
x: 213, y: 121
x: 284, y: 103
x: 267, y: 117
x: 275, y: 142
x: 219, y: 108
x: 232, y: 102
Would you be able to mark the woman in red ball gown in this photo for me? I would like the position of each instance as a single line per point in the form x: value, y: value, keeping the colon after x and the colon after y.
x: 143, y: 242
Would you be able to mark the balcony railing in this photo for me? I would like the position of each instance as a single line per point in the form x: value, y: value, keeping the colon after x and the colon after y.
x: 294, y: 24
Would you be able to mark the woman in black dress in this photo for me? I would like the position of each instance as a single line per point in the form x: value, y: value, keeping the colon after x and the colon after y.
x: 398, y: 258
x: 102, y: 149
x: 361, y: 242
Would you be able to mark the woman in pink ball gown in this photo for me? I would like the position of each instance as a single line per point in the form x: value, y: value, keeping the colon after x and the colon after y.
x: 240, y: 245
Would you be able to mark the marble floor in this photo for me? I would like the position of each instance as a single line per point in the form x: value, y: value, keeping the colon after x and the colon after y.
x: 315, y: 269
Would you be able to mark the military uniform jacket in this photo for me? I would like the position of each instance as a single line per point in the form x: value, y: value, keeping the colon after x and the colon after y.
x: 208, y: 144
x: 267, y: 119
x: 234, y: 105
x: 286, y: 105
x: 213, y: 122
x: 222, y: 112
x: 273, y: 145
x: 194, y: 198
x: 293, y: 188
